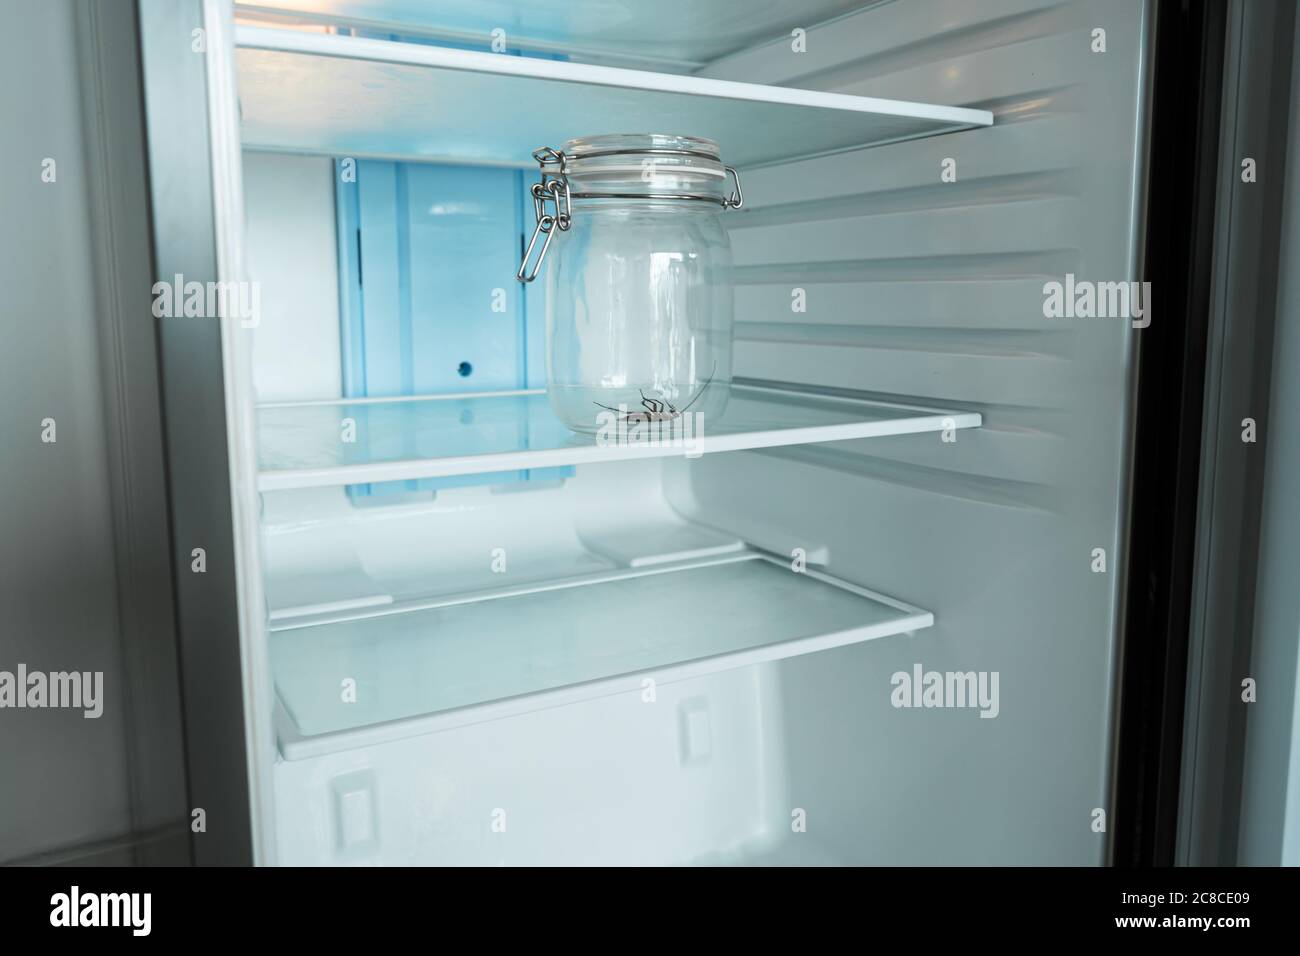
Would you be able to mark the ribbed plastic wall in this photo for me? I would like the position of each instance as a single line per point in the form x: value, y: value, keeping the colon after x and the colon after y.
x: 919, y: 289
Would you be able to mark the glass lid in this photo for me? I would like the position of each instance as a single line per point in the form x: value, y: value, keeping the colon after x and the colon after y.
x: 645, y: 165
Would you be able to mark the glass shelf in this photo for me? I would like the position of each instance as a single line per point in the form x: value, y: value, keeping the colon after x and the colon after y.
x: 304, y: 445
x: 683, y: 34
x: 488, y: 656
x: 312, y: 92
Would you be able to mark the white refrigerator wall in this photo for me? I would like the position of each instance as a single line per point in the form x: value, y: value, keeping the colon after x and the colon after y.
x: 688, y: 771
x: 917, y: 290
x: 932, y: 291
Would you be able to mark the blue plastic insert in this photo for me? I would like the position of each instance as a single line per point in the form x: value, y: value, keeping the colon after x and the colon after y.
x: 427, y: 256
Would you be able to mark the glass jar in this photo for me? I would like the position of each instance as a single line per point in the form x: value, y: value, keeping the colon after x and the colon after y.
x: 638, y: 286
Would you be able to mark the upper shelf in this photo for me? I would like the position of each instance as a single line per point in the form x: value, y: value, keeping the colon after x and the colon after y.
x: 323, y: 93
x: 302, y: 445
x: 685, y: 34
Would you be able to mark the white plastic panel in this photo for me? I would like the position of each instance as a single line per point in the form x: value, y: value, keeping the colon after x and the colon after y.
x: 289, y: 216
x: 321, y: 93
x: 555, y: 787
x: 473, y: 659
x: 307, y: 445
x: 925, y: 290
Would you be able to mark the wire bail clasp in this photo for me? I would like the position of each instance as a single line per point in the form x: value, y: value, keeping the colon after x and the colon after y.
x: 553, y: 187
x: 737, y: 198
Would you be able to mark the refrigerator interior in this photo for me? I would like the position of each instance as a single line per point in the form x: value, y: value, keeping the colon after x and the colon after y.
x: 495, y: 644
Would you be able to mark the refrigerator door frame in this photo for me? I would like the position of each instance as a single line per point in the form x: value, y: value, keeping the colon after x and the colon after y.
x: 1182, y: 165
x: 1229, y: 812
x: 196, y: 204
x: 1222, y: 93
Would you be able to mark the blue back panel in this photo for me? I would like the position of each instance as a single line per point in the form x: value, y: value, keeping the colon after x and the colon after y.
x: 427, y: 256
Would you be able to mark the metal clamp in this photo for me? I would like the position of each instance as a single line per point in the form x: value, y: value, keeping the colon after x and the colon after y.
x: 553, y: 188
x: 736, y: 199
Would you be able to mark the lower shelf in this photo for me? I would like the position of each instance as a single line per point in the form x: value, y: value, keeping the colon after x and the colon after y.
x: 487, y: 656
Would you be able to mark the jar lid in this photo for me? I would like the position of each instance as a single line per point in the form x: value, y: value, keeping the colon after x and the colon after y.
x: 619, y: 167
x: 645, y: 165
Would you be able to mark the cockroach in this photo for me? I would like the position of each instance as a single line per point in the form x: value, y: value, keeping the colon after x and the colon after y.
x: 659, y: 409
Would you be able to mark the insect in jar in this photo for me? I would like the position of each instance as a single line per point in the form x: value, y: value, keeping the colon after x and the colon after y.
x: 659, y: 409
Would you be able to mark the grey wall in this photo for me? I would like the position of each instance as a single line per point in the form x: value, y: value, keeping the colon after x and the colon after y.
x: 84, y: 573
